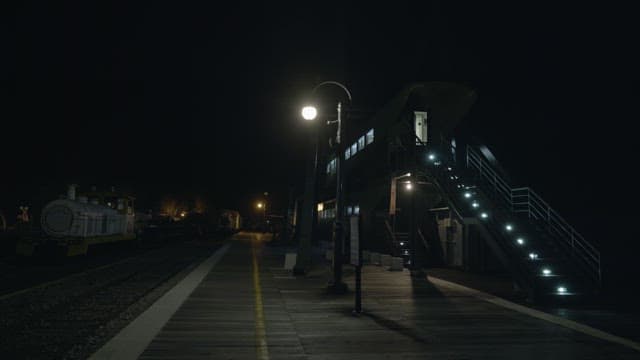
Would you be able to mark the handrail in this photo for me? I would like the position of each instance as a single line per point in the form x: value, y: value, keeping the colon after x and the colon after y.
x: 390, y: 231
x: 525, y: 200
x: 424, y: 241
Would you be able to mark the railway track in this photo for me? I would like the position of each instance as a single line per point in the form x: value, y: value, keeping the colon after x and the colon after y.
x: 70, y: 317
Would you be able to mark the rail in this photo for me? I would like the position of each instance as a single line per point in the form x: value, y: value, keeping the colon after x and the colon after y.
x: 525, y: 200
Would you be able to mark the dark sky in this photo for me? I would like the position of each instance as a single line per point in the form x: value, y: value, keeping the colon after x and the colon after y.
x: 163, y: 97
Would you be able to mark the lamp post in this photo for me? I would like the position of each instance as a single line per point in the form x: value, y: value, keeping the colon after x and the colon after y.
x: 263, y: 206
x: 310, y: 113
x: 414, y: 267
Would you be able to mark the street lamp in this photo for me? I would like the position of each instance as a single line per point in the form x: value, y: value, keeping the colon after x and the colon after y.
x: 263, y: 206
x: 309, y: 113
x: 414, y: 267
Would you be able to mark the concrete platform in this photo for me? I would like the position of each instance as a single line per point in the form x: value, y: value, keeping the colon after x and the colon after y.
x: 249, y: 307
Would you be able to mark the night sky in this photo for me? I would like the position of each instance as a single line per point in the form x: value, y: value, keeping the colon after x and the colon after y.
x: 168, y: 97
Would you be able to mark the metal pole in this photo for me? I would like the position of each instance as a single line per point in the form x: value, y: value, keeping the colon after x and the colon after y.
x: 303, y: 258
x: 358, y: 307
x: 412, y: 232
x: 338, y: 236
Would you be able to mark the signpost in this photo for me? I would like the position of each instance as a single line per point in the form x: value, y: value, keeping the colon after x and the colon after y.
x: 356, y: 260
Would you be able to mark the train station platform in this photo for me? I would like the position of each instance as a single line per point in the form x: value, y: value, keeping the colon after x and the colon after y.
x: 241, y: 304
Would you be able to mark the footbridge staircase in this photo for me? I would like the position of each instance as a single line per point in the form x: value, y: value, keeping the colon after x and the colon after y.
x: 545, y: 255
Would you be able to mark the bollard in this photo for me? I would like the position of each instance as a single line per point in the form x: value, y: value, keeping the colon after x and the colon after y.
x: 397, y: 264
x: 375, y: 258
x: 385, y: 260
x: 366, y: 257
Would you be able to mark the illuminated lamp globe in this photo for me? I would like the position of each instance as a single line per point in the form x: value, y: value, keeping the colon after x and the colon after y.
x: 309, y: 112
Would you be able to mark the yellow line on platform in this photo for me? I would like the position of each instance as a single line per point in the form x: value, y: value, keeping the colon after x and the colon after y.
x: 262, y: 350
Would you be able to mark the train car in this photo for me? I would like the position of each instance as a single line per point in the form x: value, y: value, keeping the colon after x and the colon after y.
x: 72, y: 224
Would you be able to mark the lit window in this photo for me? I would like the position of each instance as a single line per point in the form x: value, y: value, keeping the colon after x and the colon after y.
x: 347, y: 153
x: 331, y: 166
x: 320, y: 206
x: 361, y: 143
x: 354, y: 148
x: 356, y: 210
x: 369, y: 136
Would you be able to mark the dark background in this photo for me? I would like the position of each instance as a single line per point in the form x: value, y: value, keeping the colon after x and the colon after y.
x: 172, y: 98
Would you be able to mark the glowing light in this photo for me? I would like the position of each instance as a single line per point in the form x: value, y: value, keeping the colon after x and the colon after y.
x: 260, y: 205
x: 484, y: 215
x: 467, y: 195
x: 320, y: 206
x: 520, y: 241
x: 562, y: 290
x: 407, y: 174
x: 475, y: 204
x: 309, y: 112
x: 432, y: 157
x: 509, y: 227
x: 401, y: 243
x: 546, y: 272
x: 408, y: 185
x: 533, y: 256
x: 449, y: 168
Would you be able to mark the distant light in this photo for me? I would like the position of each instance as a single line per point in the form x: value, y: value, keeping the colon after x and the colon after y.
x: 309, y: 112
x: 509, y: 227
x: 407, y: 174
x: 260, y: 205
x: 520, y: 241
x: 320, y: 206
x: 533, y: 256
x: 475, y: 204
x: 401, y: 243
x: 452, y: 178
x: 183, y: 214
x: 449, y: 168
x: 546, y: 272
x: 467, y: 195
x: 484, y: 215
x: 562, y: 290
x: 432, y: 157
x: 408, y: 185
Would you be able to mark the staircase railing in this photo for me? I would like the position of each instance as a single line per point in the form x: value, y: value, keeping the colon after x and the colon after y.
x: 525, y: 200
